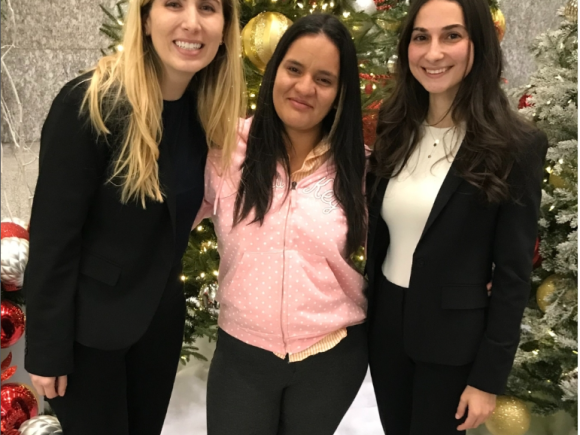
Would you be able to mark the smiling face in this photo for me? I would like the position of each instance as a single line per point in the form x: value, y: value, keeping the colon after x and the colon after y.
x: 307, y: 82
x: 440, y: 51
x: 186, y: 35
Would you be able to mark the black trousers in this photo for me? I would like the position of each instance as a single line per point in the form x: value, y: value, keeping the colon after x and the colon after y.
x: 127, y: 391
x: 251, y: 391
x: 413, y: 397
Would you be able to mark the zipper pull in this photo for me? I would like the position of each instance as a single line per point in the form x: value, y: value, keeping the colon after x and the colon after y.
x: 294, y: 185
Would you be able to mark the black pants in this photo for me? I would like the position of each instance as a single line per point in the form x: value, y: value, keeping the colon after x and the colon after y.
x: 127, y: 391
x: 251, y: 391
x: 414, y: 398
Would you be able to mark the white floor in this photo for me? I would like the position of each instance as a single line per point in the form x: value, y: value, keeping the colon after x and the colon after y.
x: 186, y: 413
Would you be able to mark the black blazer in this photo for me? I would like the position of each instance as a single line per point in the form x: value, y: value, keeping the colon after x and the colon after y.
x: 97, y: 268
x: 449, y: 318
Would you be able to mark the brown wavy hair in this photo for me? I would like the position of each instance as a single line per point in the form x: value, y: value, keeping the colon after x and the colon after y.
x: 494, y: 131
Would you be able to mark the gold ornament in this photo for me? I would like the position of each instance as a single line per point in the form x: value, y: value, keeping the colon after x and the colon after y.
x: 511, y: 417
x: 499, y: 23
x: 571, y: 11
x: 557, y: 181
x: 545, y: 290
x: 389, y: 25
x: 261, y: 35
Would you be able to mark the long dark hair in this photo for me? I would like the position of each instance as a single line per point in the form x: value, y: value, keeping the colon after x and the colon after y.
x: 494, y: 131
x: 267, y: 138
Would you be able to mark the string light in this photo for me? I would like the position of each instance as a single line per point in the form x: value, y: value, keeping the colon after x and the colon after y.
x: 561, y: 161
x: 552, y: 208
x: 120, y: 47
x: 199, y: 228
x: 346, y: 14
x: 183, y: 277
x: 253, y: 106
x: 202, y: 275
x: 535, y: 352
x: 549, y: 169
x: 120, y: 22
x: 252, y: 95
x: 215, y: 272
x: 300, y: 5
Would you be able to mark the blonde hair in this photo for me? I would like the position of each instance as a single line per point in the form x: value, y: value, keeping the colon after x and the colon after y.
x: 131, y: 78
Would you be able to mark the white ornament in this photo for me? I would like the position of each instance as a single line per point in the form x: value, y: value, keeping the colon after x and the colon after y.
x: 41, y: 425
x: 367, y: 6
x: 14, y: 253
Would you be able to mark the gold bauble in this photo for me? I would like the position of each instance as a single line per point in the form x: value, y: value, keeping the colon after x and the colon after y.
x: 261, y: 35
x: 546, y: 288
x: 571, y: 11
x: 511, y: 417
x: 557, y: 181
x: 389, y: 25
x: 498, y: 22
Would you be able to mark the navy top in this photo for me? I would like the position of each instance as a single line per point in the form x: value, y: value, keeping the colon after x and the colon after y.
x: 184, y: 139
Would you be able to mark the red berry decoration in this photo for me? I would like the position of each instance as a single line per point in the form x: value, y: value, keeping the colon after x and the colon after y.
x: 524, y: 102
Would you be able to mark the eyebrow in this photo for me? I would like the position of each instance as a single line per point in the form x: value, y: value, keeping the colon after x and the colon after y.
x: 451, y: 26
x: 324, y: 72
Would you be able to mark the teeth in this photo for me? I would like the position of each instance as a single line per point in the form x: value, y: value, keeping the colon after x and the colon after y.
x: 436, y: 71
x: 188, y: 45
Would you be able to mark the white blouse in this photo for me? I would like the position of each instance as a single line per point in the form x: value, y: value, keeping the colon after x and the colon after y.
x: 410, y: 196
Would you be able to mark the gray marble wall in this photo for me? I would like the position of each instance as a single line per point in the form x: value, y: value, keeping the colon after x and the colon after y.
x: 525, y: 20
x: 53, y: 40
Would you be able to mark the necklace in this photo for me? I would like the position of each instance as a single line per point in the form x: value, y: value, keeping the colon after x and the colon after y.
x: 436, y: 141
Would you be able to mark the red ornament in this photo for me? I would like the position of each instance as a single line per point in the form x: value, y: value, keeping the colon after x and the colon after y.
x: 12, y: 323
x: 537, y: 261
x: 368, y: 89
x: 18, y: 405
x: 524, y: 102
x: 8, y: 373
x: 10, y: 229
x: 7, y: 361
x: 370, y: 127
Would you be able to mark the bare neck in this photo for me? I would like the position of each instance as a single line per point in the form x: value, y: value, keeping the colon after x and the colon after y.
x: 173, y: 86
x: 439, y: 114
x: 301, y: 143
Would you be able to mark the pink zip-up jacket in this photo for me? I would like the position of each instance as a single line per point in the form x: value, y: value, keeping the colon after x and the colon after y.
x: 285, y: 285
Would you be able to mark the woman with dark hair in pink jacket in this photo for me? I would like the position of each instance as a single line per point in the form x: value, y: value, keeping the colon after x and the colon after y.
x: 289, y: 212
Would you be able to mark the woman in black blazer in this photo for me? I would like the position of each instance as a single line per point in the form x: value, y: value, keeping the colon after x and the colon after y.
x: 454, y: 193
x: 122, y: 159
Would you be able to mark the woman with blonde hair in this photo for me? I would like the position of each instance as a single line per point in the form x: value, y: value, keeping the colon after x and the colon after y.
x: 122, y: 159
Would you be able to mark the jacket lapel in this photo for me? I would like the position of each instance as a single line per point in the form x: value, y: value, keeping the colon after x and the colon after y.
x: 450, y: 184
x: 375, y: 206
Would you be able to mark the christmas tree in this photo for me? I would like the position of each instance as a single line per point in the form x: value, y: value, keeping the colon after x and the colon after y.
x: 545, y: 373
x: 374, y: 26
